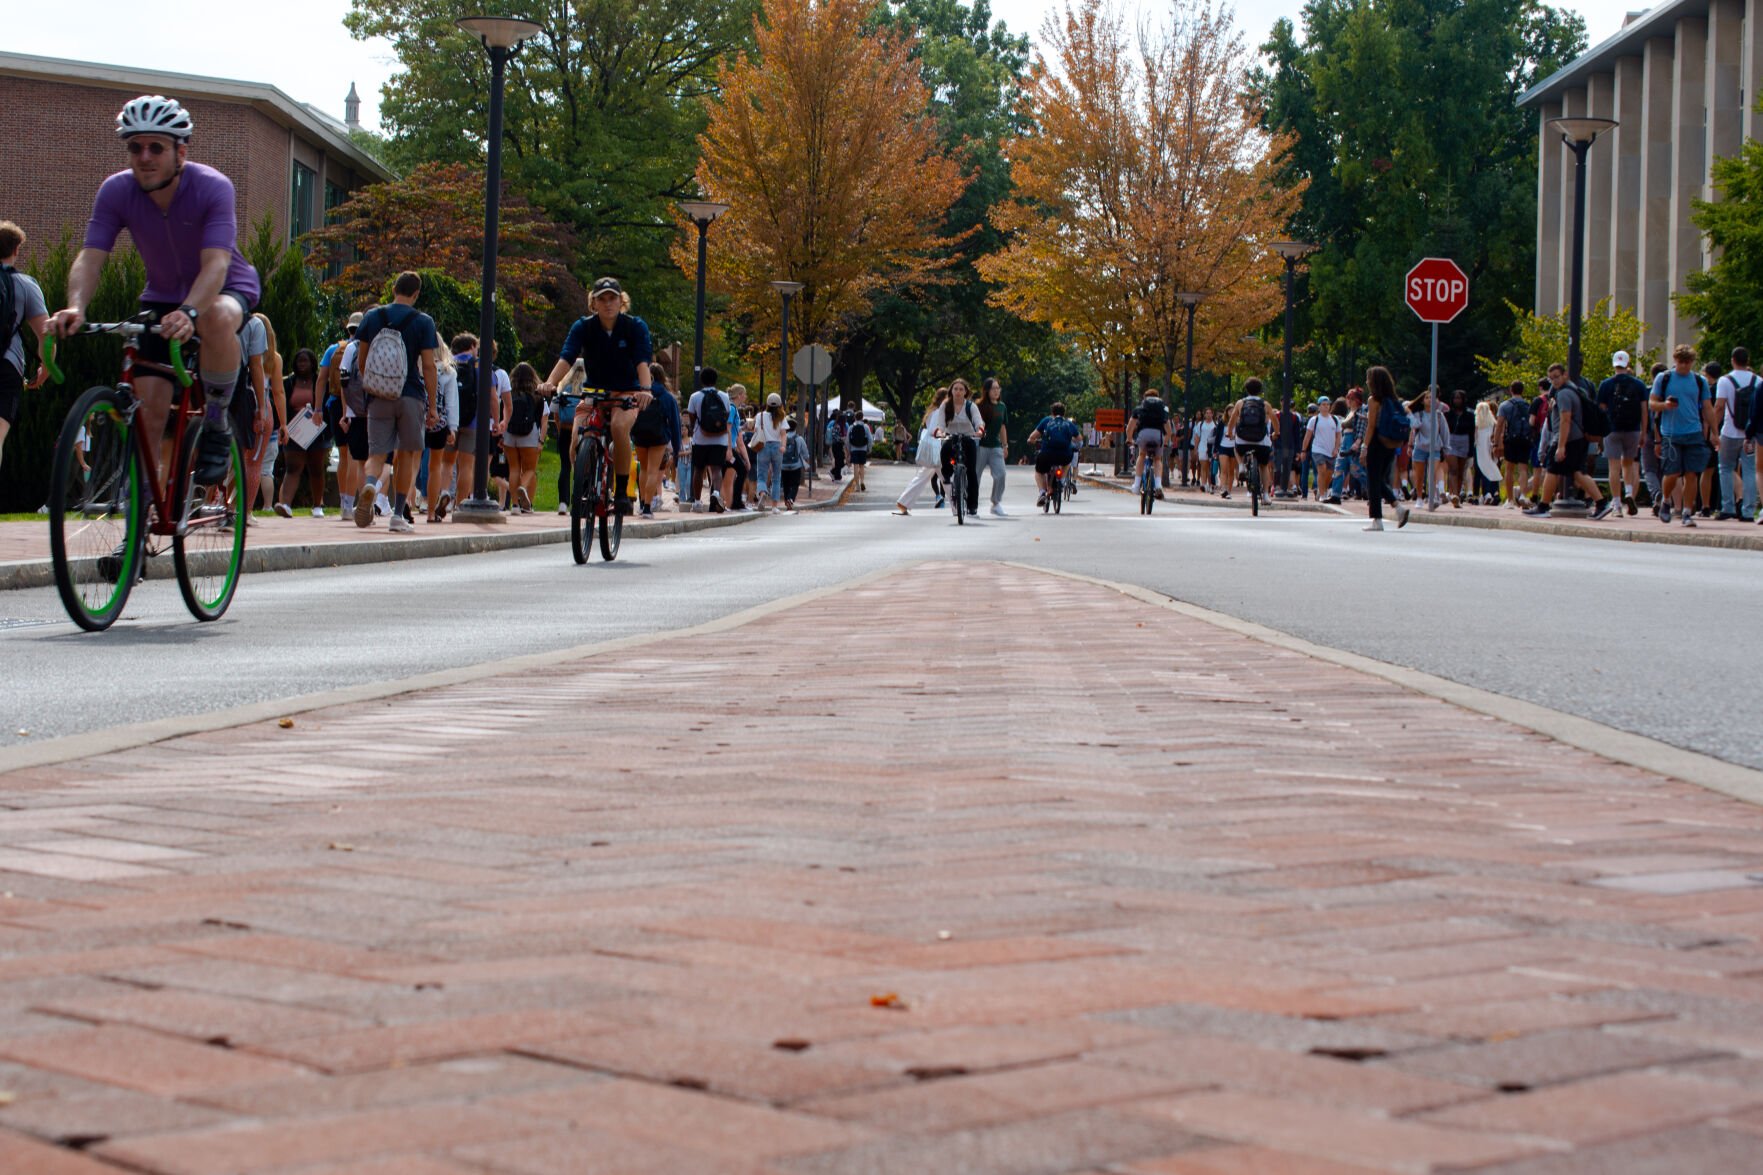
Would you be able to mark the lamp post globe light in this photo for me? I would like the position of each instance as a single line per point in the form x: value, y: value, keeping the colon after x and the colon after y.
x: 1191, y: 299
x: 1292, y: 252
x: 501, y: 37
x: 1578, y: 135
x: 788, y: 290
x: 702, y: 213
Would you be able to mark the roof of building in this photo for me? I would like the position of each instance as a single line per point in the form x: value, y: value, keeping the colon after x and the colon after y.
x: 261, y: 96
x: 1658, y: 21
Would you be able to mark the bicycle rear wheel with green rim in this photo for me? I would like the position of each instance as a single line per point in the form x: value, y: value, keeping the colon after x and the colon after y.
x: 209, y: 546
x: 97, y: 519
x: 581, y: 507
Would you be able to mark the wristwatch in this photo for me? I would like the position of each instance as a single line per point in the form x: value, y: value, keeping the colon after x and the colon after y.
x: 189, y: 311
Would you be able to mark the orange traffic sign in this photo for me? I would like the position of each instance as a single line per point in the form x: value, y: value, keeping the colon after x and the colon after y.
x: 1110, y: 419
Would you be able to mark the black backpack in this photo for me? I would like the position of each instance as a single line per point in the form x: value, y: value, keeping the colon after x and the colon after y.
x: 1517, y: 423
x: 1593, y: 421
x: 712, y: 412
x: 8, y: 307
x: 1252, y: 420
x: 521, y: 414
x: 1153, y: 414
x: 1625, y: 405
x: 1743, y: 401
x: 858, y: 438
x: 466, y: 375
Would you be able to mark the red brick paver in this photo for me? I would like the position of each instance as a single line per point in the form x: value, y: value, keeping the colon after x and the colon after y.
x: 1217, y: 911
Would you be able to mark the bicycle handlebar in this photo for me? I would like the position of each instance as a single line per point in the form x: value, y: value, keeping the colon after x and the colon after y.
x: 184, y: 378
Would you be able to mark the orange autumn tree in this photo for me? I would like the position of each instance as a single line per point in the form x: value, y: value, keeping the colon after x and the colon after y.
x: 1144, y: 176
x: 821, y: 143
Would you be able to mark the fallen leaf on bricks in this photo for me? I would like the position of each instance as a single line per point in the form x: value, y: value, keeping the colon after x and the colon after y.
x: 791, y: 1044
x: 888, y: 1000
x: 285, y: 723
x: 337, y: 846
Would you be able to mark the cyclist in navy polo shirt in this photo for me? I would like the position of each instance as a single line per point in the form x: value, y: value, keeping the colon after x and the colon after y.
x: 615, y: 349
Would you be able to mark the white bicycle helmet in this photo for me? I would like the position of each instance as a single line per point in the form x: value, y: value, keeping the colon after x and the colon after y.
x: 154, y: 114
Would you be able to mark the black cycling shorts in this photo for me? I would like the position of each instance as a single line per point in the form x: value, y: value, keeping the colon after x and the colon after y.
x: 156, y: 348
x: 1047, y: 462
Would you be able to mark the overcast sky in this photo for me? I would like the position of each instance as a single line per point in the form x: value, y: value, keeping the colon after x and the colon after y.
x: 313, y: 59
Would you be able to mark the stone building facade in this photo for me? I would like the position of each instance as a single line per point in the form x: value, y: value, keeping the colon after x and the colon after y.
x: 1682, y: 80
x: 285, y: 158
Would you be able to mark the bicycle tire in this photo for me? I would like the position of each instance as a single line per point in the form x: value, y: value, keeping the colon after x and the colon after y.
x: 581, y: 504
x: 1254, y: 479
x: 1147, y: 492
x: 208, y: 548
x: 112, y: 481
x: 958, y: 493
x: 1058, y: 496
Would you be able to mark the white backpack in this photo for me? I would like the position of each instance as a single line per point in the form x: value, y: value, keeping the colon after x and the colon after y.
x: 388, y: 363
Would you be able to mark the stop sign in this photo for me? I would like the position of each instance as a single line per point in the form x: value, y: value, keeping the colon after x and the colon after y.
x: 1436, y: 290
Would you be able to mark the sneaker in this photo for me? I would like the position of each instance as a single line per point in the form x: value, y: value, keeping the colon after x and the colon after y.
x: 1537, y: 511
x: 318, y: 511
x: 998, y: 510
x: 1688, y: 519
x: 213, y: 456
x: 698, y: 507
x: 1707, y: 511
x: 364, y: 504
x: 940, y: 502
x: 1456, y: 502
x: 1725, y: 516
x: 1157, y: 494
x: 523, y: 500
x: 345, y: 505
x: 400, y: 525
x: 284, y: 510
x: 1665, y: 512
x: 1332, y: 500
x: 657, y: 504
x: 1604, y: 509
x: 1225, y: 494
x: 646, y: 512
x: 1041, y: 502
x: 1376, y: 524
x: 716, y: 506
x: 445, y: 503
x: 1628, y: 504
x: 1401, y: 517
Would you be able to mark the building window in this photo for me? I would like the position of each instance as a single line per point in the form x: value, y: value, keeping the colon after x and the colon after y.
x: 302, y: 198
x: 334, y: 195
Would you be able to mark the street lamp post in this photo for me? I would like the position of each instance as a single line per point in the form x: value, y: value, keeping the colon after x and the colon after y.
x: 701, y: 213
x: 1292, y: 251
x: 1578, y: 134
x: 502, y: 37
x: 1191, y: 299
x: 788, y: 290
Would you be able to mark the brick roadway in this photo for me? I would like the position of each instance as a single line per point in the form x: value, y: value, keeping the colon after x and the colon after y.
x: 1111, y: 889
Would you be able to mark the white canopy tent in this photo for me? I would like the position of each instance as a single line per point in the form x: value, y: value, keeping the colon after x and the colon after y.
x: 870, y: 412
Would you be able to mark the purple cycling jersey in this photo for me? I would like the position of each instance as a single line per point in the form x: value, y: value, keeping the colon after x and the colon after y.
x: 202, y: 216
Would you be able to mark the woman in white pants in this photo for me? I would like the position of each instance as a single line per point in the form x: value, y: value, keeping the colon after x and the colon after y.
x: 958, y: 418
x: 996, y: 441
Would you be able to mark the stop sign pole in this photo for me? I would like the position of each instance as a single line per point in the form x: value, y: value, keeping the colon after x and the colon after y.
x: 1437, y: 290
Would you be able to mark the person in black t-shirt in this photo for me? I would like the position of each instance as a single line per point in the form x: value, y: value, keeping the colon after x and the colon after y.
x: 616, y: 350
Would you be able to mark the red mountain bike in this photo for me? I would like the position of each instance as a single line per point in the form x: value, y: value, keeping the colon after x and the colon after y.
x: 107, y: 495
x: 596, y: 484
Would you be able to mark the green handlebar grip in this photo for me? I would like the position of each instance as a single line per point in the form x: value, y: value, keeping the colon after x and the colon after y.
x: 177, y: 364
x: 49, y: 358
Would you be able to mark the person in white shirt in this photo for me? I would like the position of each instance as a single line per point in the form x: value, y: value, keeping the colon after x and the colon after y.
x: 958, y: 425
x: 1323, y: 440
x: 767, y: 447
x: 1738, y: 397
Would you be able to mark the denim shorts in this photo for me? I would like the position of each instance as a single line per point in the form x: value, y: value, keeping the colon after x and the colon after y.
x: 1683, y: 456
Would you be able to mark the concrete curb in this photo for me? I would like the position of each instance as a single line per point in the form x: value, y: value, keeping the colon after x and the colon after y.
x: 1636, y: 750
x: 1672, y: 535
x: 35, y: 573
x: 1281, y: 506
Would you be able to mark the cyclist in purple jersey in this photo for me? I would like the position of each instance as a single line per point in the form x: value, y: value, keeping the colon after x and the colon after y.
x: 182, y: 219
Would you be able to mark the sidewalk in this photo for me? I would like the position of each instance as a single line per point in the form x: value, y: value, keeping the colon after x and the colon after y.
x: 300, y: 542
x: 991, y: 920
x: 1642, y: 528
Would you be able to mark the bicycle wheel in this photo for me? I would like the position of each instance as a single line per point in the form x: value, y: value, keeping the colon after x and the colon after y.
x: 1253, y: 475
x: 97, y: 519
x: 208, y: 548
x: 1147, y: 491
x: 1058, y: 494
x: 958, y: 493
x: 581, y: 505
x: 611, y: 521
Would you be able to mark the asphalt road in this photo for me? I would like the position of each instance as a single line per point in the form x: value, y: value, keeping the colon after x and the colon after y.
x: 1659, y: 640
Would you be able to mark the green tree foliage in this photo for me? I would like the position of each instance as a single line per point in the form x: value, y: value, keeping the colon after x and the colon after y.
x: 86, y: 362
x: 1410, y: 137
x: 458, y: 309
x: 973, y: 68
x: 603, y: 113
x: 1726, y: 299
x: 1541, y: 339
x: 290, y: 295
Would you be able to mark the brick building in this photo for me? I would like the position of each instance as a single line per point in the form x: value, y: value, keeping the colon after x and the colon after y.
x: 284, y: 157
